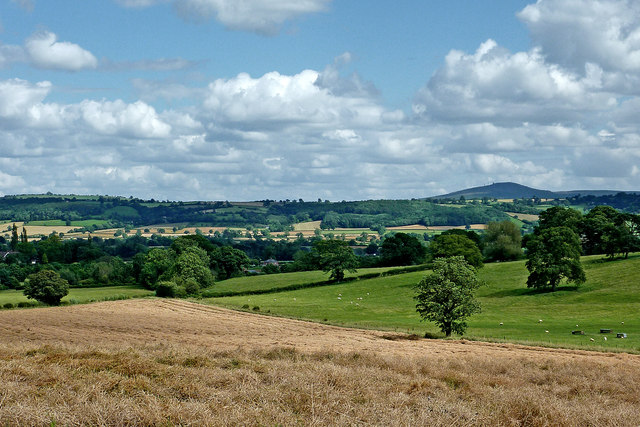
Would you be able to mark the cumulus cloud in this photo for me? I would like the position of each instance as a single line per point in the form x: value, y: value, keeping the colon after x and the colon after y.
x: 46, y: 52
x: 276, y: 98
x: 261, y: 16
x: 495, y: 85
x: 138, y: 120
x: 574, y: 33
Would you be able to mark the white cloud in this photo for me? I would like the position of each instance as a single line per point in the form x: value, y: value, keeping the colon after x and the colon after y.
x: 18, y: 96
x: 574, y: 33
x: 138, y: 120
x: 46, y: 52
x: 494, y: 85
x: 261, y: 16
x: 275, y: 98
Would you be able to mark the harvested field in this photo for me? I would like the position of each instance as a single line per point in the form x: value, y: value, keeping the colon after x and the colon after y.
x: 174, y: 362
x: 528, y: 217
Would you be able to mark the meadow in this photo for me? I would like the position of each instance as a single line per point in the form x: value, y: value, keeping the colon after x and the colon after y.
x: 510, y: 311
x: 79, y: 295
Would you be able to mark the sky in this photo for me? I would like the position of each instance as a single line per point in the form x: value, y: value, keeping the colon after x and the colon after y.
x: 332, y: 99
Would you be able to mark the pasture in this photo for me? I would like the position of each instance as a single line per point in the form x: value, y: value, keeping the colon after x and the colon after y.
x: 609, y: 297
x: 80, y: 295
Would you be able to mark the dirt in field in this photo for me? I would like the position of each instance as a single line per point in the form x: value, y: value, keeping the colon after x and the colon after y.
x: 185, y: 324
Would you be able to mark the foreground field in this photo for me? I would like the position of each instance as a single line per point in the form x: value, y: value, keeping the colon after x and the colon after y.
x: 608, y: 298
x: 150, y: 362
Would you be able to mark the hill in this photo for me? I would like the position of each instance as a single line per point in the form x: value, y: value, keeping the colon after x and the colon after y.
x: 512, y: 190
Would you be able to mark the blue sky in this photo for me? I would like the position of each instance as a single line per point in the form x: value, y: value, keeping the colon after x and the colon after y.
x: 331, y: 99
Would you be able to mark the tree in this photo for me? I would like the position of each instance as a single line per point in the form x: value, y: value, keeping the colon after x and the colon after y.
x: 503, y: 241
x: 193, y: 263
x: 553, y: 254
x: 14, y: 237
x: 228, y: 262
x: 402, y: 249
x: 445, y: 296
x: 448, y: 245
x: 46, y: 286
x: 334, y: 256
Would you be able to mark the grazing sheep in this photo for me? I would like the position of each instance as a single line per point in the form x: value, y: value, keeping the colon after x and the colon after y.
x: 540, y: 321
x: 591, y: 339
x: 547, y: 332
x: 501, y: 323
x: 605, y: 338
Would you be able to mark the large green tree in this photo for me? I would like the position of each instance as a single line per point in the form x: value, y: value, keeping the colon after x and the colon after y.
x: 502, y: 241
x: 46, y: 286
x: 448, y: 245
x: 446, y: 296
x: 333, y: 256
x: 402, y: 249
x: 553, y: 254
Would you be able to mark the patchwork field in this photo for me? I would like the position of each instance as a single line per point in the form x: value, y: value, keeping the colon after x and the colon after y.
x: 144, y: 362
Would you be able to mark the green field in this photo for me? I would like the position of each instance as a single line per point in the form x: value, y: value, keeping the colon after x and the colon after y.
x: 81, y: 295
x: 59, y: 222
x: 283, y: 280
x: 610, y: 296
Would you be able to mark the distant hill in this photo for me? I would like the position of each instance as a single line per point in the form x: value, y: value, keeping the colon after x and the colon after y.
x: 512, y: 190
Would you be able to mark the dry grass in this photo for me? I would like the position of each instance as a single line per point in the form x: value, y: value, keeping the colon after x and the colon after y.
x: 528, y: 217
x: 150, y: 362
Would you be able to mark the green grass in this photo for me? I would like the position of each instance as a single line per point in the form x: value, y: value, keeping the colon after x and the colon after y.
x: 610, y: 296
x: 283, y: 280
x: 59, y: 222
x: 81, y: 295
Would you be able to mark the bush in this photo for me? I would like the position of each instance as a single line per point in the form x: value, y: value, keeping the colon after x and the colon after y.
x: 166, y: 290
x: 25, y: 304
x: 191, y: 287
x: 8, y: 305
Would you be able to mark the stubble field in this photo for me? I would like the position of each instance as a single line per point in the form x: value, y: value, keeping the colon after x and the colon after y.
x: 175, y: 362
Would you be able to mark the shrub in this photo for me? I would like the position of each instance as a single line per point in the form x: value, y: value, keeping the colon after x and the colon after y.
x: 8, y: 305
x: 25, y: 304
x: 256, y: 308
x: 191, y: 287
x: 166, y: 290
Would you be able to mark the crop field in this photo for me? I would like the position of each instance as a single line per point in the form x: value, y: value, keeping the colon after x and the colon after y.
x: 608, y: 300
x: 170, y: 362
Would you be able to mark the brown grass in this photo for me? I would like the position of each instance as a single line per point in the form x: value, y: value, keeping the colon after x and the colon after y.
x: 149, y: 362
x: 528, y: 217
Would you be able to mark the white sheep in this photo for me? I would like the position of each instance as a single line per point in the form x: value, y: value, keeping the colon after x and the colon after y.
x: 605, y: 338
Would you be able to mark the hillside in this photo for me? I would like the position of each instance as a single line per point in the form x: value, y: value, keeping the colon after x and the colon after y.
x: 609, y: 296
x: 512, y: 190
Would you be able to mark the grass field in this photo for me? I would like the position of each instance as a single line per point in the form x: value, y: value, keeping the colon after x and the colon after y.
x: 283, y: 280
x: 609, y: 297
x: 81, y: 295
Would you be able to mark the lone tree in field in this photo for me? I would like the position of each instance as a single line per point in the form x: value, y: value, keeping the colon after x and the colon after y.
x: 445, y: 296
x: 46, y: 286
x: 553, y: 254
x: 334, y: 256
